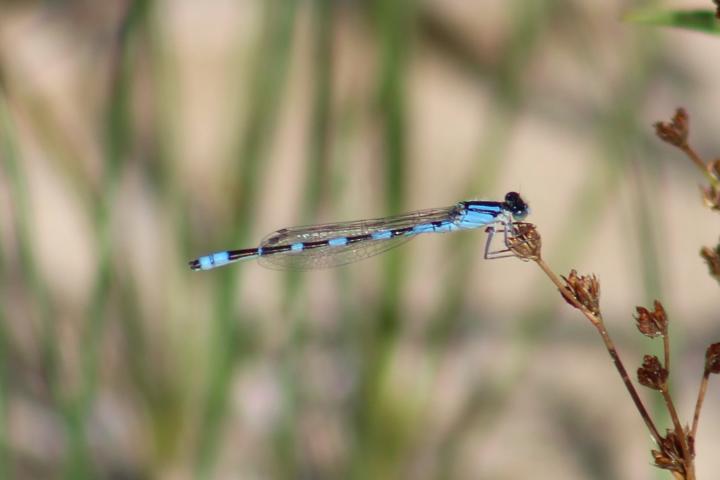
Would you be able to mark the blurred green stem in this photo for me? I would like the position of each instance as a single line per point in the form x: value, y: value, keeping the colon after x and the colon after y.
x: 118, y: 138
x: 37, y: 292
x: 6, y: 461
x: 230, y: 326
x: 375, y: 452
x: 316, y: 188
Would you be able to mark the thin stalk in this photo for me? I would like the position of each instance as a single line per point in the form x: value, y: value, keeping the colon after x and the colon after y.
x: 609, y: 345
x: 699, y: 403
x: 679, y: 432
x: 698, y: 161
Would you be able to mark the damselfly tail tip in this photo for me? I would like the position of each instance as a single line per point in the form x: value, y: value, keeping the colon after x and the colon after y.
x: 194, y: 264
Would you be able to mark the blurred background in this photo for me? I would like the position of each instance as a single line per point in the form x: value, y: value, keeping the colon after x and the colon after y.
x: 137, y: 135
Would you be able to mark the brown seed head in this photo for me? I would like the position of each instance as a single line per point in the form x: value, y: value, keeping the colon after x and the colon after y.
x: 676, y: 132
x: 672, y: 446
x: 652, y: 324
x: 585, y: 290
x: 664, y: 461
x: 711, y: 197
x: 670, y: 456
x: 712, y: 258
x: 651, y: 374
x: 714, y: 169
x: 712, y: 358
x: 526, y: 243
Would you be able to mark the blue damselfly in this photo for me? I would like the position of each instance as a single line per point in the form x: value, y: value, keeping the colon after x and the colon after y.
x: 334, y: 244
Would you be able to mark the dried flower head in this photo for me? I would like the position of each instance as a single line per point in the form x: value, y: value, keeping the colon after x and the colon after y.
x: 712, y: 358
x: 652, y: 374
x: 714, y: 169
x: 585, y: 290
x: 671, y: 456
x: 526, y: 243
x: 664, y: 461
x: 652, y: 324
x: 712, y: 258
x: 676, y: 132
x: 711, y: 197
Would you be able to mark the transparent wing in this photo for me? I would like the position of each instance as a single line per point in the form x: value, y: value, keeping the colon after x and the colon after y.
x: 327, y: 257
x: 333, y: 256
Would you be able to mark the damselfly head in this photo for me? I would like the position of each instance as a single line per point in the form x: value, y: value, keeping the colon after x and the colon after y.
x: 516, y: 205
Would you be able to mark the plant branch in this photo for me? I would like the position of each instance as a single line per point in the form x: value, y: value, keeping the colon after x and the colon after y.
x: 699, y: 403
x: 712, y: 366
x: 597, y: 321
x: 698, y: 161
x: 679, y: 433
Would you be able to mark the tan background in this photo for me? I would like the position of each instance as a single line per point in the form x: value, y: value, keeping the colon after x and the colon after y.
x: 521, y: 387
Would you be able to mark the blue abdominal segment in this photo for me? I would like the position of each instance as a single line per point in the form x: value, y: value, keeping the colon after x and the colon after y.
x: 381, y: 235
x: 337, y: 242
x: 214, y: 260
x: 219, y: 259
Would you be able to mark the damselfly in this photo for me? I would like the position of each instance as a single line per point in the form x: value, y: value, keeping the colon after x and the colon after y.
x: 334, y: 244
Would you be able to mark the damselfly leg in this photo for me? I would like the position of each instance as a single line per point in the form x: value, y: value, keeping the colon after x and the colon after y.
x: 509, y: 231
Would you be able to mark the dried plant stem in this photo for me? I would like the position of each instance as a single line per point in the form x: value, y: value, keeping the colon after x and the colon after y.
x: 679, y: 432
x: 676, y: 133
x: 597, y: 321
x: 699, y: 403
x: 666, y: 350
x: 695, y: 158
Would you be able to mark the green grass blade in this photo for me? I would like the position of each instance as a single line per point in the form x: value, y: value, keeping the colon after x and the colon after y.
x: 6, y: 461
x: 697, y: 20
x: 232, y: 330
x: 11, y: 163
x: 118, y: 134
x: 316, y: 191
x: 379, y: 443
